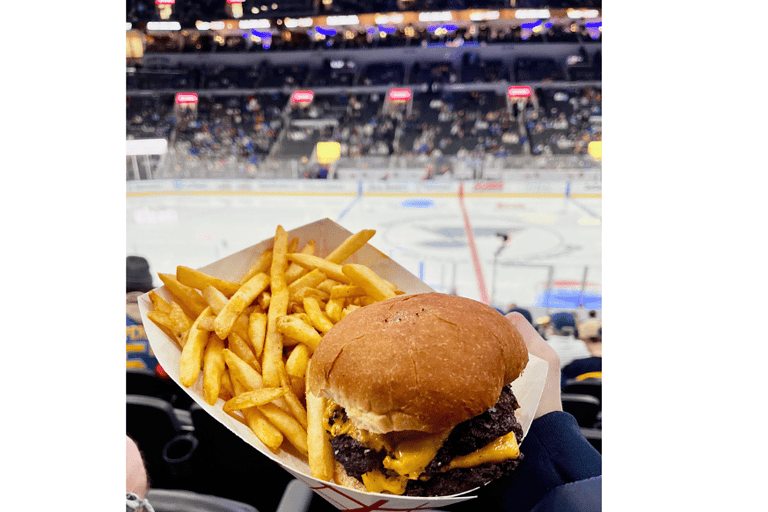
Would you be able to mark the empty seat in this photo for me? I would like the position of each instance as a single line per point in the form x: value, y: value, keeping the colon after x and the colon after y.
x: 584, y: 408
x: 590, y: 386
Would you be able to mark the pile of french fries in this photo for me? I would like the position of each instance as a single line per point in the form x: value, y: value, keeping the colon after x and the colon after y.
x: 252, y: 340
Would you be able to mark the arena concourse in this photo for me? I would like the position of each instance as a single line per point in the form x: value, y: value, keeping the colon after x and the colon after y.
x: 468, y: 134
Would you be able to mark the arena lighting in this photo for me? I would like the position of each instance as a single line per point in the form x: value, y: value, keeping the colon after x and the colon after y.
x: 484, y: 15
x: 328, y: 32
x: 246, y: 24
x: 165, y: 2
x: 163, y: 25
x: 235, y: 1
x: 583, y: 13
x: 531, y: 13
x: 297, y: 22
x: 384, y: 19
x: 336, y: 21
x: 519, y: 91
x: 399, y: 94
x: 436, y: 16
x: 186, y: 97
x: 302, y: 96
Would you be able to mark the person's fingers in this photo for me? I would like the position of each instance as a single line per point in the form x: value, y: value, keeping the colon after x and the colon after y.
x: 550, y: 398
x: 135, y: 474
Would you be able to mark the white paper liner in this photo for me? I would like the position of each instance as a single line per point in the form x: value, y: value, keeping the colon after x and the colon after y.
x: 328, y: 235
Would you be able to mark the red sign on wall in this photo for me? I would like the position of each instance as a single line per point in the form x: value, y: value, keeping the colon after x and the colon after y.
x: 302, y: 96
x: 519, y: 91
x: 186, y: 97
x: 399, y: 94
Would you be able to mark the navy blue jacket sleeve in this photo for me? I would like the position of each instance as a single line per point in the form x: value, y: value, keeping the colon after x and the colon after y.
x: 555, y: 453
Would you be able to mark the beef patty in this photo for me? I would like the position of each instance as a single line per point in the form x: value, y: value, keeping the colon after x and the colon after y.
x: 465, y: 438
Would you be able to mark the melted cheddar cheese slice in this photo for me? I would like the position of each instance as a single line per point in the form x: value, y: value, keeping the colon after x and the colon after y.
x: 499, y: 450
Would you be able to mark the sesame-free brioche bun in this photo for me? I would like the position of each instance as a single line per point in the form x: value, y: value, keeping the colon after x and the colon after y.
x: 421, y: 362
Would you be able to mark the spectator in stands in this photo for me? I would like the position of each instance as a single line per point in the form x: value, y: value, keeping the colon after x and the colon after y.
x: 514, y: 308
x: 561, y: 334
x: 590, y: 330
x: 138, y: 282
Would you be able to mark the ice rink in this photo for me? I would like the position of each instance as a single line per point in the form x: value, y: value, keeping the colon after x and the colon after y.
x: 453, y: 242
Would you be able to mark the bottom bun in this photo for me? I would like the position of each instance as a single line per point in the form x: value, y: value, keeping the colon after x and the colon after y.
x: 341, y: 477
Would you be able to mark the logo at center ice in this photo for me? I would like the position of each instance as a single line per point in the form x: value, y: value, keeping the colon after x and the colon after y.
x: 449, y: 237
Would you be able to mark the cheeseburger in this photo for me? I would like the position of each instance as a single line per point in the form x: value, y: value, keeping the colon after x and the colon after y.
x: 418, y: 395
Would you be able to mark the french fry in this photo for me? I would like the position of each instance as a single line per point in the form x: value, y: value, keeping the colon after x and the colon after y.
x: 348, y: 309
x: 327, y: 285
x: 213, y: 368
x: 241, y: 349
x: 319, y: 451
x: 253, y: 398
x: 330, y: 269
x: 192, y: 353
x: 206, y: 323
x: 181, y: 321
x: 272, y: 355
x: 287, y: 424
x: 164, y: 321
x: 296, y: 329
x: 189, y: 298
x: 296, y: 364
x: 351, y: 245
x: 309, y: 280
x: 242, y: 372
x: 257, y: 331
x: 241, y: 324
x: 225, y: 320
x: 201, y: 280
x: 376, y: 287
x: 279, y: 262
x: 300, y: 295
x: 344, y: 291
x: 298, y: 385
x: 295, y: 271
x: 264, y: 299
x: 226, y: 391
x: 267, y: 433
x: 296, y: 408
x: 159, y: 303
x: 215, y: 298
x: 260, y: 266
x: 333, y: 309
x: 321, y: 322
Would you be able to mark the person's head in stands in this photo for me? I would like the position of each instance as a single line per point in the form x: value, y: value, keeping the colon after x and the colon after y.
x: 562, y: 324
x: 522, y: 311
x: 138, y: 278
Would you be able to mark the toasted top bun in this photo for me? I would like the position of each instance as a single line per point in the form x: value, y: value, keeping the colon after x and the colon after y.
x: 422, y: 362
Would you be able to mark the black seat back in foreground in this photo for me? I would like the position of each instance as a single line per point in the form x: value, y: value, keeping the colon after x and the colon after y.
x: 584, y: 408
x: 592, y: 387
x: 174, y: 500
x: 139, y: 381
x: 164, y: 437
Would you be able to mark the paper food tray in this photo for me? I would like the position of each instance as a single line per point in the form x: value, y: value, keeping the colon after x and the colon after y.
x: 328, y: 235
